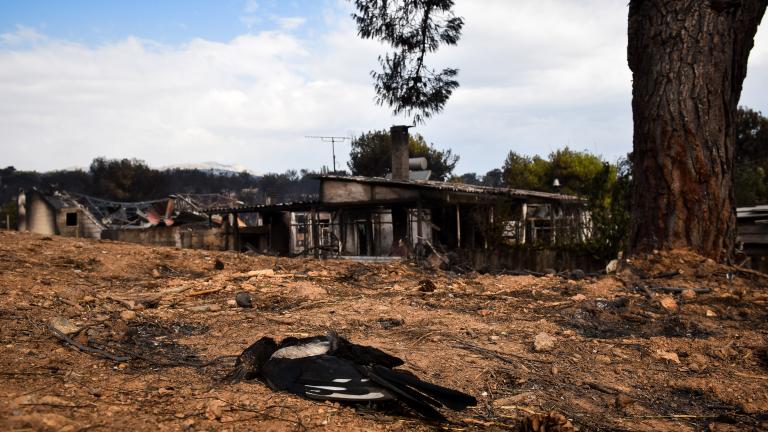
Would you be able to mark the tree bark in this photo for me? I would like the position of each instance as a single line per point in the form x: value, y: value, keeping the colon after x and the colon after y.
x: 688, y: 60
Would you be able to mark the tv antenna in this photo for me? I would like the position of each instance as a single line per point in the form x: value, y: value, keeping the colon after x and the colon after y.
x: 333, y: 140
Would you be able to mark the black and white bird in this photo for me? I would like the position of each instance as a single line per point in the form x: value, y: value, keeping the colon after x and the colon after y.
x: 332, y: 368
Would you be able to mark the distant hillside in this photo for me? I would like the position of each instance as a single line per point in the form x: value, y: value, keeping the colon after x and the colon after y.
x: 133, y: 180
x: 212, y: 167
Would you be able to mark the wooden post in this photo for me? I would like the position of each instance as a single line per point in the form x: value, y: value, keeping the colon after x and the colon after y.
x: 458, y: 227
x: 8, y: 222
x: 368, y: 234
x: 237, y: 232
x: 315, y: 236
x: 419, y: 234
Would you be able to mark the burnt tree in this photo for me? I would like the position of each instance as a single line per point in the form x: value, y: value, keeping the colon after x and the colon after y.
x: 688, y: 60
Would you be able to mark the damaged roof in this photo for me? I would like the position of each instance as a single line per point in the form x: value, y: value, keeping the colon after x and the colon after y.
x: 457, y: 187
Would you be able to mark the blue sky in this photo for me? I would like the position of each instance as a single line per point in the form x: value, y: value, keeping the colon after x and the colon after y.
x: 167, y: 21
x: 244, y: 81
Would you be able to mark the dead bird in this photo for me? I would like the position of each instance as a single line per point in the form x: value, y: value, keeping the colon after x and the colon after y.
x: 332, y: 368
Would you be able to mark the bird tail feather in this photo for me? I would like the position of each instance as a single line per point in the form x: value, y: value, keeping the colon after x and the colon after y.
x: 420, y: 395
x: 450, y: 398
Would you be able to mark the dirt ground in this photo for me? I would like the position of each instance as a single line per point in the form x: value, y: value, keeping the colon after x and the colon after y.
x: 613, y: 356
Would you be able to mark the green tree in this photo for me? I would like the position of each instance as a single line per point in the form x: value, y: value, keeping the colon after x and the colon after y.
x: 523, y: 172
x: 370, y: 155
x: 580, y: 173
x: 751, y: 136
x: 750, y: 183
x: 124, y: 179
x: 412, y: 28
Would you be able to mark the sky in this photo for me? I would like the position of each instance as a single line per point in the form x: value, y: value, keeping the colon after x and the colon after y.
x: 243, y: 82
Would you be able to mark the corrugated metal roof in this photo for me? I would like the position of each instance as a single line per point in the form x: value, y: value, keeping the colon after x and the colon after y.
x: 456, y: 187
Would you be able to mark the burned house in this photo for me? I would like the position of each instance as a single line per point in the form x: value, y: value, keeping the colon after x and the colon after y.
x: 407, y: 215
x: 752, y: 227
x: 56, y: 214
x: 173, y: 221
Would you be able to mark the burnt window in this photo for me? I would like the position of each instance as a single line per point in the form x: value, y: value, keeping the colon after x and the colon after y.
x: 72, y: 219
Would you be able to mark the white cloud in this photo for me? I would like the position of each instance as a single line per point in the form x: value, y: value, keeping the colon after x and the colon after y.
x: 290, y: 23
x: 22, y: 35
x: 535, y: 76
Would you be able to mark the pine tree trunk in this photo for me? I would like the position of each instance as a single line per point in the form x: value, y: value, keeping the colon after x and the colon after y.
x: 688, y: 60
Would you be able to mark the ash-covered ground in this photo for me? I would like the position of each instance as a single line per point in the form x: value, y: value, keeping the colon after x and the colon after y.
x: 671, y: 342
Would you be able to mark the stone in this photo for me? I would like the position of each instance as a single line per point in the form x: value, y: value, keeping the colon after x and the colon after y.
x: 602, y: 358
x: 612, y: 266
x: 205, y: 308
x: 243, y: 299
x: 155, y: 273
x: 666, y: 355
x: 710, y: 313
x: 668, y: 303
x: 579, y: 297
x: 63, y: 325
x: 543, y: 342
x: 127, y: 315
x: 214, y: 408
x: 688, y: 294
x: 309, y: 290
x: 577, y: 274
x: 231, y: 303
x: 218, y: 264
x: 698, y: 362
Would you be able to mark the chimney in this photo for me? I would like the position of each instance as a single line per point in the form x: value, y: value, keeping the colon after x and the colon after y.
x: 399, y: 139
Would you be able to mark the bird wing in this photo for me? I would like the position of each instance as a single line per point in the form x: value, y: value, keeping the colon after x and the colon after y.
x: 322, y: 377
x: 361, y: 354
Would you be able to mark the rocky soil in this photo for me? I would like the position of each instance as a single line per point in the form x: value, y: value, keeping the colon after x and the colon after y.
x: 671, y: 342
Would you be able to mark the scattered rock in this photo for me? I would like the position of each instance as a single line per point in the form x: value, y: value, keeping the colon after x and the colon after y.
x: 232, y: 303
x: 484, y: 312
x: 218, y: 265
x: 602, y: 358
x: 579, y: 297
x: 612, y: 266
x: 698, y: 362
x: 577, y: 274
x: 543, y: 342
x: 155, y: 273
x: 205, y: 308
x: 214, y: 408
x: 426, y: 285
x: 309, y: 290
x: 688, y: 294
x: 64, y: 325
x: 243, y: 299
x: 388, y: 323
x: 666, y: 355
x: 127, y: 315
x: 668, y: 303
x: 710, y: 313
